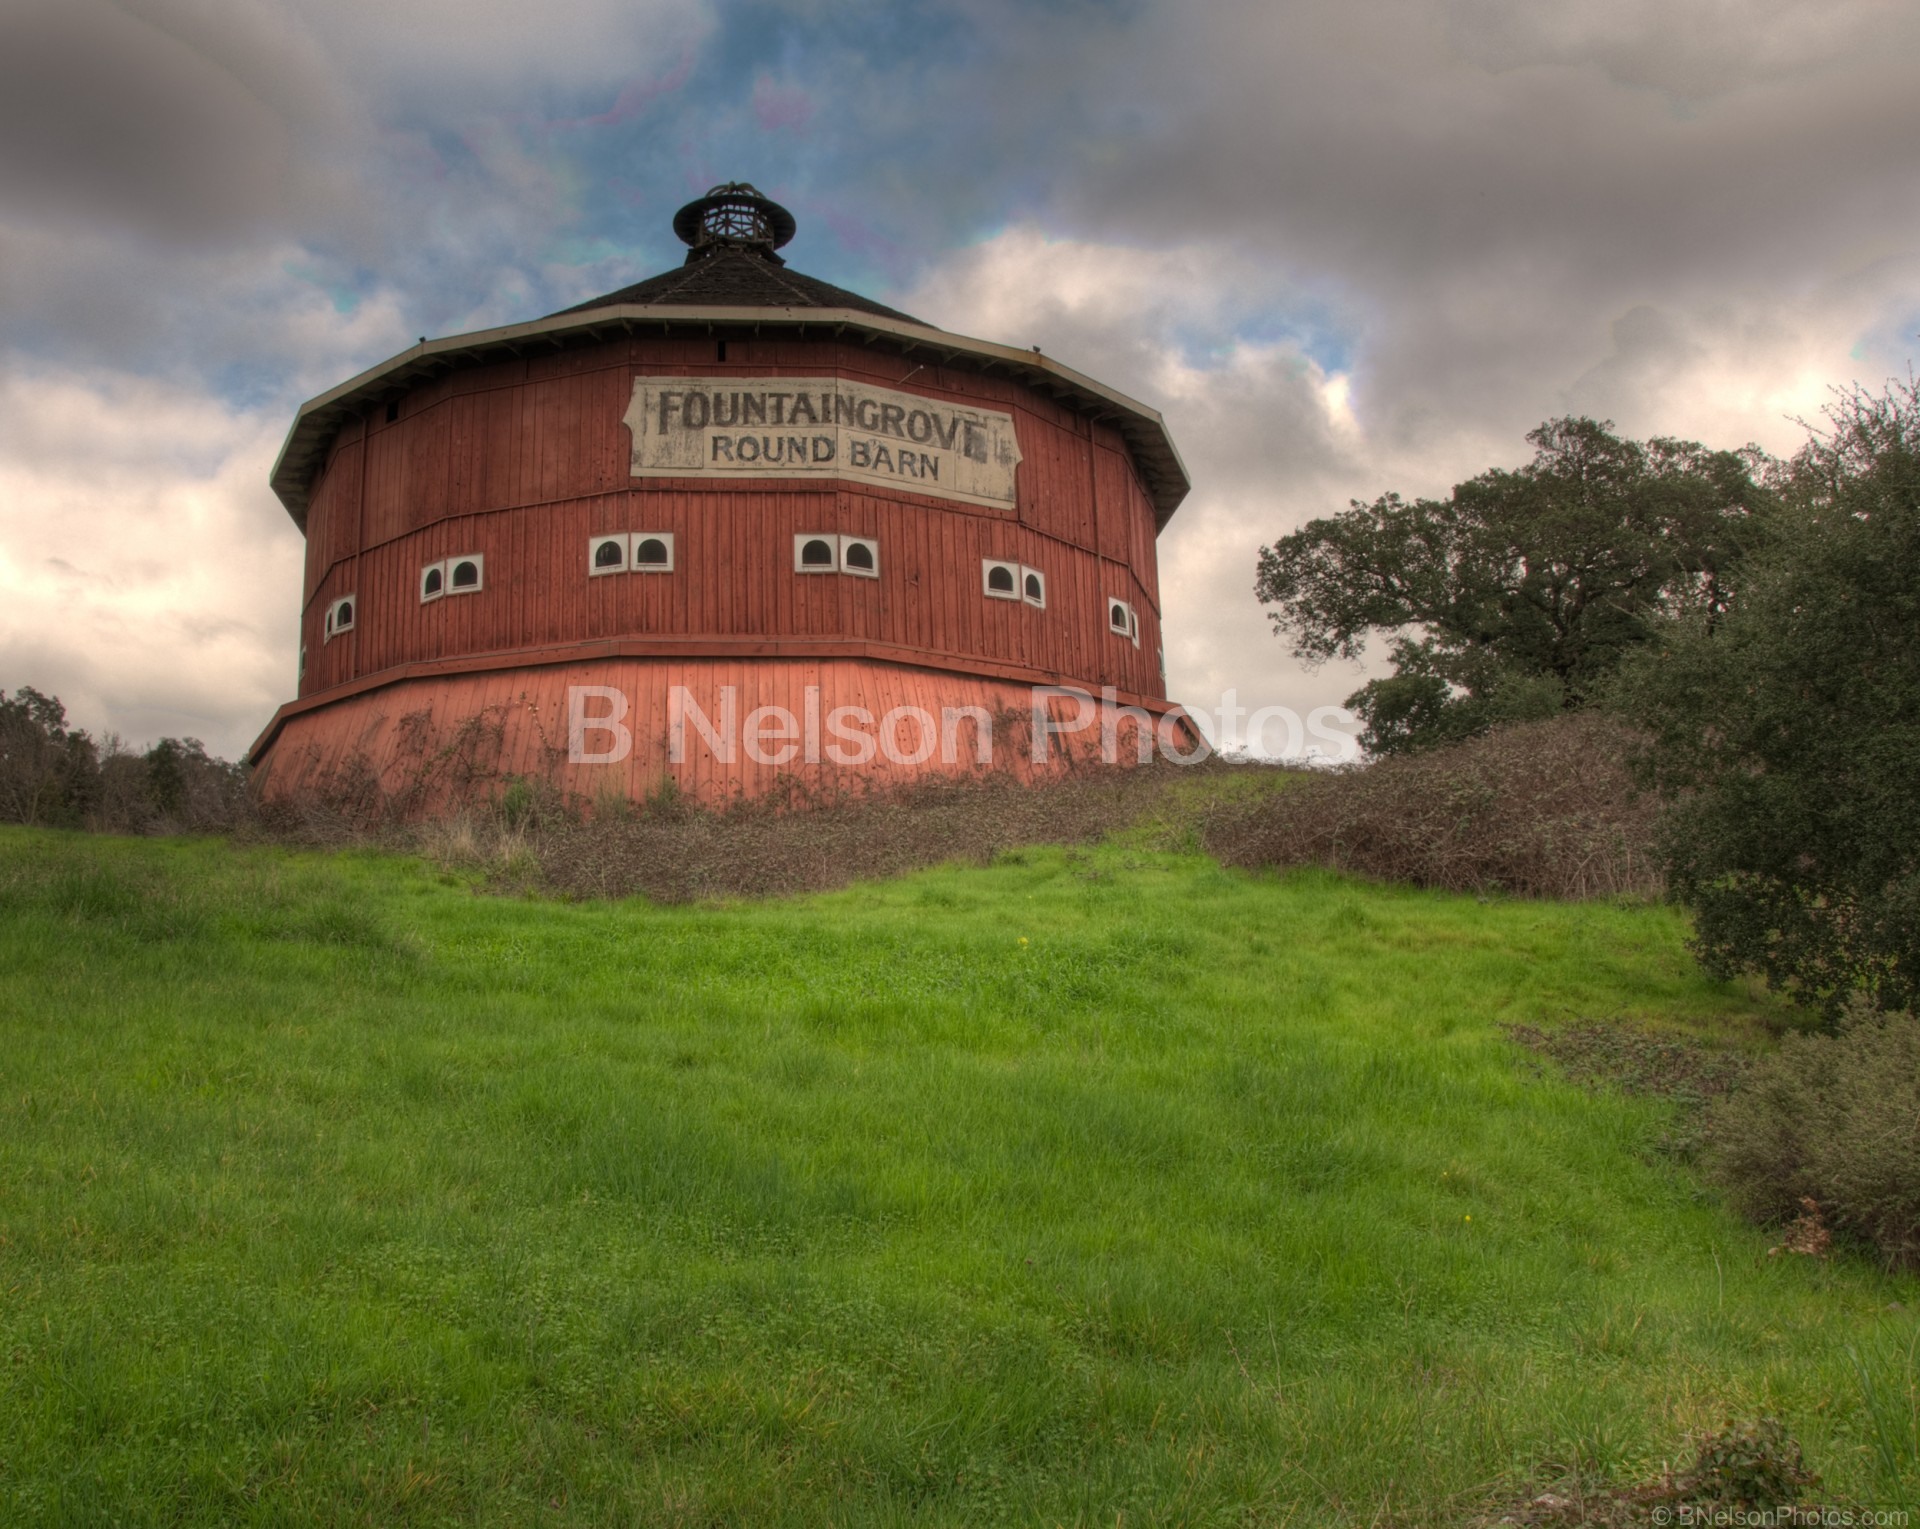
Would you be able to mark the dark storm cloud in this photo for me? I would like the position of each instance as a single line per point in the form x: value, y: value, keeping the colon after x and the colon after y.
x: 167, y: 120
x: 1497, y: 184
x: 178, y: 175
x: 1689, y: 219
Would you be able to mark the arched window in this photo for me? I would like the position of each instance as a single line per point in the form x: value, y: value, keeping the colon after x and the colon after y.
x: 1122, y: 621
x: 609, y: 554
x: 339, y: 617
x: 653, y: 553
x: 1013, y: 581
x: 467, y: 575
x: 433, y: 582
x: 816, y: 554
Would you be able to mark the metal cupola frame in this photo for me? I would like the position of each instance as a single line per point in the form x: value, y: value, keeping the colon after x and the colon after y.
x: 734, y: 216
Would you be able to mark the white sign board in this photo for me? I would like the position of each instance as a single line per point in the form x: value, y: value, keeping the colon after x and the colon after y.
x: 784, y: 427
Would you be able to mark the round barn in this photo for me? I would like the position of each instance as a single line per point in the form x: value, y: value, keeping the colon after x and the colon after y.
x: 731, y: 528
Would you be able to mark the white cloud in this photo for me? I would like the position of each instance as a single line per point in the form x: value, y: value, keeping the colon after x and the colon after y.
x: 1743, y: 366
x: 1272, y: 439
x: 1269, y: 436
x: 147, y: 576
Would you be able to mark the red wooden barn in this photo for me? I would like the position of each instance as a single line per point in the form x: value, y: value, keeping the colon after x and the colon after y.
x: 730, y: 526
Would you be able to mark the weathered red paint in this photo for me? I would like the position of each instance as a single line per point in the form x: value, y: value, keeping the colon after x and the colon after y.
x: 524, y: 460
x: 425, y: 741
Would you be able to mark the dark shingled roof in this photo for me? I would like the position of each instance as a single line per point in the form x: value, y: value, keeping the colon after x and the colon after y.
x: 739, y: 278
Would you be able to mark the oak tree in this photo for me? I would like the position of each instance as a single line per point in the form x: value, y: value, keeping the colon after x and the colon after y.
x: 1513, y: 597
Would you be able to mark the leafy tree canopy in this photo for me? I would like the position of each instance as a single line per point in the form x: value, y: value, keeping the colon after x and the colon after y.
x: 1787, y: 733
x: 1516, y: 595
x: 49, y: 773
x: 58, y: 776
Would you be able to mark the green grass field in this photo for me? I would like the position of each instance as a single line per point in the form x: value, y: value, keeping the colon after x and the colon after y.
x: 1085, y: 1188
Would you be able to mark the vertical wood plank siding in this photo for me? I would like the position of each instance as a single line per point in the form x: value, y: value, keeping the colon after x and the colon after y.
x: 431, y: 743
x: 523, y: 461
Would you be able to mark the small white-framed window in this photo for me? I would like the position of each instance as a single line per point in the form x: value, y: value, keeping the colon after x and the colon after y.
x: 606, y: 554
x: 860, y: 555
x: 340, y: 616
x: 433, y: 581
x: 816, y: 553
x: 301, y: 677
x: 652, y: 551
x: 466, y: 575
x: 1122, y: 621
x: 1001, y: 580
x: 825, y: 552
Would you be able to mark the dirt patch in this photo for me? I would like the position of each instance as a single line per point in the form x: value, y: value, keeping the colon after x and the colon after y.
x: 672, y: 851
x: 1739, y: 1472
x: 771, y: 853
x: 1688, y: 1074
x: 1637, y: 1061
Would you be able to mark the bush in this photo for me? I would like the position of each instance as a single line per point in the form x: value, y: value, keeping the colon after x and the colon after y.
x: 1786, y: 733
x: 1754, y: 1463
x: 1540, y: 809
x: 1834, y: 1119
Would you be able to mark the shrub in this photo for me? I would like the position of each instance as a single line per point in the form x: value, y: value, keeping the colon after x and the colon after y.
x: 1748, y: 1464
x: 1834, y: 1119
x: 1540, y: 809
x: 1785, y: 733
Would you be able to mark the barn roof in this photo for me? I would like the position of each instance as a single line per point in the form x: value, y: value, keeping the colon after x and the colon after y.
x: 733, y: 280
x: 738, y: 278
x: 734, y: 236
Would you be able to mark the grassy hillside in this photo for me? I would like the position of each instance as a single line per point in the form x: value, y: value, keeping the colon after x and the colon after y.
x: 1086, y: 1187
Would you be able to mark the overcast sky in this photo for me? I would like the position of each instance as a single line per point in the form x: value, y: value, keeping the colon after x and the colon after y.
x: 1346, y: 246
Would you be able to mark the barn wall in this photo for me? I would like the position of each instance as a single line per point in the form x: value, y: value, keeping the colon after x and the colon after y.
x: 523, y: 460
x: 733, y: 576
x: 422, y: 746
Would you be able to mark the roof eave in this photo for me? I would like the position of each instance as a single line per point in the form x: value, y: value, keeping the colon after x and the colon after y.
x: 319, y: 418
